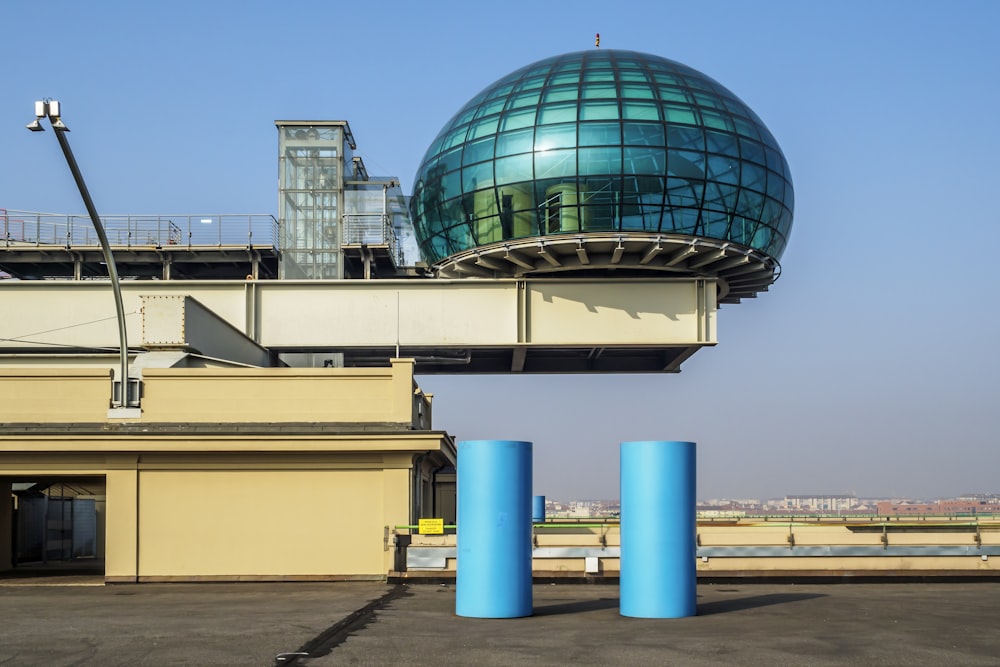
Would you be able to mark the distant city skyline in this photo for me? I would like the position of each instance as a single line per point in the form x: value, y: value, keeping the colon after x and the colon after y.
x: 870, y: 365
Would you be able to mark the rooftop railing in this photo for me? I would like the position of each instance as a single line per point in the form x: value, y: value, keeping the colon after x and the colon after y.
x: 40, y: 229
x: 371, y: 229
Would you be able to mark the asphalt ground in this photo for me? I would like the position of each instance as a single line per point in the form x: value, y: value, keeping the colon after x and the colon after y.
x: 379, y: 624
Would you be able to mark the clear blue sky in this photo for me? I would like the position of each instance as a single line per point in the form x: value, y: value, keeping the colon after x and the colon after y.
x: 871, y: 366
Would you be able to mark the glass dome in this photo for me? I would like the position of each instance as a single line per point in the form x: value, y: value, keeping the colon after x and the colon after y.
x: 599, y: 144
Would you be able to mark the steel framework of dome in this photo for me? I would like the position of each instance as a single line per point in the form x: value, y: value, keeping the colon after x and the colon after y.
x: 606, y: 160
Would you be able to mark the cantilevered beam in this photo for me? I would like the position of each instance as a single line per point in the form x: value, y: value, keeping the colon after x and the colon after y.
x: 518, y: 259
x: 490, y: 264
x: 679, y: 255
x: 616, y: 254
x: 654, y: 250
x: 548, y: 256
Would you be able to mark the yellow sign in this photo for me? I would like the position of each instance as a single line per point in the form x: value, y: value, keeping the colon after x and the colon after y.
x: 432, y: 527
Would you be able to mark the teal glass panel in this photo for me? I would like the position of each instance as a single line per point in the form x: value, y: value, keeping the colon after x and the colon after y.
x: 746, y: 128
x: 598, y: 161
x: 557, y: 113
x: 564, y: 78
x: 524, y: 100
x: 640, y: 111
x: 773, y: 160
x: 775, y: 186
x: 685, y: 164
x: 721, y: 142
x: 685, y: 137
x: 595, y: 91
x: 750, y: 204
x: 683, y: 220
x: 530, y: 83
x: 555, y: 136
x: 464, y: 117
x: 555, y: 164
x: 720, y: 197
x: 602, y: 75
x: 753, y: 177
x: 717, y: 120
x: 490, y: 108
x: 710, y: 101
x: 682, y: 192
x: 513, y: 169
x: 477, y: 151
x: 723, y: 169
x: 600, y: 134
x: 450, y: 160
x: 599, y: 111
x: 632, y: 76
x: 751, y: 151
x: 678, y: 114
x: 512, y: 143
x: 637, y: 91
x: 643, y: 134
x: 454, y: 138
x: 451, y: 184
x: 483, y: 128
x: 715, y: 224
x: 668, y: 79
x: 644, y: 161
x: 500, y: 91
x: 561, y: 94
x: 675, y: 95
x: 477, y: 176
x: 513, y: 120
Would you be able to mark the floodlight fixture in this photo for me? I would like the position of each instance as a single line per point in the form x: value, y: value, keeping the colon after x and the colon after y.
x: 121, y: 396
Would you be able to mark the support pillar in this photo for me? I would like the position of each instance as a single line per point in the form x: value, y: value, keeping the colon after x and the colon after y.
x: 6, y: 526
x: 658, y: 527
x: 494, y: 529
x: 537, y: 509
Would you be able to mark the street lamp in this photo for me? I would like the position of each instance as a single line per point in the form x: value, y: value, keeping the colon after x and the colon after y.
x: 121, y: 397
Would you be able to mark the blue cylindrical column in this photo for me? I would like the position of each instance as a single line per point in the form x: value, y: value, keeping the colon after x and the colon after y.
x: 494, y: 529
x: 537, y: 509
x: 658, y: 529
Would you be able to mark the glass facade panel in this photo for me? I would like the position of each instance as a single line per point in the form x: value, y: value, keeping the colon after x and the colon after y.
x: 557, y: 113
x: 599, y: 140
x: 552, y: 164
x: 555, y: 136
x: 512, y: 143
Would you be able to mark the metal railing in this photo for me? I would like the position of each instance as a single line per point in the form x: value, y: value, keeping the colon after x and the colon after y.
x: 371, y: 229
x: 40, y: 229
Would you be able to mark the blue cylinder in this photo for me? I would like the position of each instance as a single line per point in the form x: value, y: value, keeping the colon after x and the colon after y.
x: 494, y: 529
x: 658, y: 578
x: 537, y: 509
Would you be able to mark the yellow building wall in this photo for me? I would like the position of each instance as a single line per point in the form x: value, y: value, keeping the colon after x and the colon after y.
x: 261, y: 523
x: 36, y: 395
x: 279, y: 395
x: 121, y: 527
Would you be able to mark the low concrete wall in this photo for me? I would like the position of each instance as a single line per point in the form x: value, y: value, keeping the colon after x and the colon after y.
x: 881, y: 547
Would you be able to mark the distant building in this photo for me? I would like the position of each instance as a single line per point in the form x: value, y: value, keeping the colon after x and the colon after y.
x: 964, y: 505
x: 820, y: 503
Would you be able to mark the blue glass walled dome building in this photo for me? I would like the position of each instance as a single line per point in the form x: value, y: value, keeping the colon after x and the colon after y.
x: 601, y: 160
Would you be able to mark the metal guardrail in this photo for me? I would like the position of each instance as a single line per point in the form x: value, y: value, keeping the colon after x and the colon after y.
x: 371, y: 229
x: 42, y: 229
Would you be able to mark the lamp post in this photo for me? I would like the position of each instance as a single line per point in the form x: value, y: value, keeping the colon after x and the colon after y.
x: 51, y: 109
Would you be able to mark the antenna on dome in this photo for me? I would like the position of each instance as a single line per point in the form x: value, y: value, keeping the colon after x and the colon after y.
x: 597, y: 40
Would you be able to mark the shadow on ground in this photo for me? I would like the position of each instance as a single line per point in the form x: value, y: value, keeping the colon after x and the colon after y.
x: 752, y: 602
